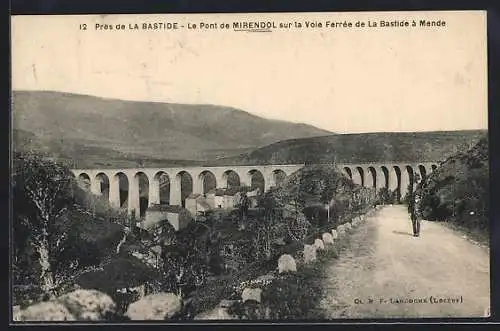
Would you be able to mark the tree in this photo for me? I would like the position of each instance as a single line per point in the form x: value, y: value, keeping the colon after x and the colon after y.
x: 42, y: 192
x: 55, y: 236
x: 297, y: 227
x: 243, y: 205
x: 384, y: 196
x: 293, y: 193
x: 271, y: 227
x: 333, y: 183
x: 408, y: 195
x: 185, y: 258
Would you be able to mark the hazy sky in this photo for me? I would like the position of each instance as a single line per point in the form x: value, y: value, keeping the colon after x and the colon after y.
x: 343, y: 80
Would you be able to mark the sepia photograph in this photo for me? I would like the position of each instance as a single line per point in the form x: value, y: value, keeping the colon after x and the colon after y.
x: 271, y: 167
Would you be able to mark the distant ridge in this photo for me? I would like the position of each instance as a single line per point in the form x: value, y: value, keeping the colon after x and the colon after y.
x: 364, y: 148
x: 86, y: 129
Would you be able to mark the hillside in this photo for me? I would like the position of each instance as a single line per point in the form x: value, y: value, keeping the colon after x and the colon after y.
x: 458, y: 191
x: 88, y: 129
x: 365, y: 147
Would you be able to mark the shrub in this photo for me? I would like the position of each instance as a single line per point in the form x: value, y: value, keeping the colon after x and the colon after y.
x: 290, y: 296
x: 25, y: 295
x: 385, y: 196
x: 259, y: 282
x: 122, y: 272
x: 458, y: 190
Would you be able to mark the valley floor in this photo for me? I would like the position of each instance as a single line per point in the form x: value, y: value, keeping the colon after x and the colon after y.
x: 387, y: 265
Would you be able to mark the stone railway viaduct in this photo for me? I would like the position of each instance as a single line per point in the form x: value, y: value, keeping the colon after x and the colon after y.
x: 392, y: 175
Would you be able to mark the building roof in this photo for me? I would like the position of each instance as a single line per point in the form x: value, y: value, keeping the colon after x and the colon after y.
x: 157, y: 207
x: 204, y: 205
x: 219, y: 192
x: 232, y: 191
x: 194, y: 196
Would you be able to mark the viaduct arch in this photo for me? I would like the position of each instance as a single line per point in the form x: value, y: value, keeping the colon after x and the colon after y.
x: 395, y: 176
x: 123, y: 186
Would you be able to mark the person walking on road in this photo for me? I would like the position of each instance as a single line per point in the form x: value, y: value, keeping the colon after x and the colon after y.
x: 414, y: 210
x: 415, y: 215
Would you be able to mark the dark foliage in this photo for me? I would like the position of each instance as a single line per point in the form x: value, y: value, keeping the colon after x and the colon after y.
x: 51, y: 212
x: 458, y: 190
x: 196, y: 261
x: 386, y: 196
x: 288, y: 297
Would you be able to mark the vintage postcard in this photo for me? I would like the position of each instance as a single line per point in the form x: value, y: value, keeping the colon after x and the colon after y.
x: 262, y: 167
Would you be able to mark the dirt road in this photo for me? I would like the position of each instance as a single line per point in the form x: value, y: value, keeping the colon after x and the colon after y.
x: 443, y: 274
